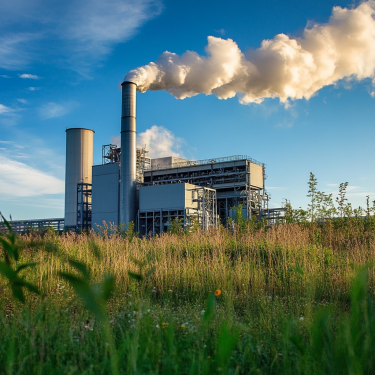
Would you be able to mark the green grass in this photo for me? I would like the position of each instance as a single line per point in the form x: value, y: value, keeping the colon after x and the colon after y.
x: 295, y: 298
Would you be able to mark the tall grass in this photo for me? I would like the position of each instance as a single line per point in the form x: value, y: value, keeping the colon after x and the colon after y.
x: 294, y: 297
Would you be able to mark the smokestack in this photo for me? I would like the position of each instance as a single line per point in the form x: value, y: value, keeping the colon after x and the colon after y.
x: 128, y: 185
x: 78, y: 168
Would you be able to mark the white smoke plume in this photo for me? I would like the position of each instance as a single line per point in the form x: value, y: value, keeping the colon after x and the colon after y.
x: 283, y: 67
x: 158, y: 140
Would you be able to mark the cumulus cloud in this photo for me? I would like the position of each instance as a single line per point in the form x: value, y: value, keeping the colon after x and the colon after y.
x: 51, y: 110
x: 158, y: 140
x: 77, y: 32
x: 28, y: 76
x: 283, y: 67
x: 20, y: 180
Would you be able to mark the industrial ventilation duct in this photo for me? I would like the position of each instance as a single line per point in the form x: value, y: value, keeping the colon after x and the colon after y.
x: 128, y: 187
x: 79, y: 161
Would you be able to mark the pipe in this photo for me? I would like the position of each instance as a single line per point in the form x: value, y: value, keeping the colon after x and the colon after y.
x: 128, y: 185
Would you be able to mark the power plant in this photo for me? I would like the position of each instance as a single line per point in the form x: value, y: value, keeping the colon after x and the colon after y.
x: 130, y: 187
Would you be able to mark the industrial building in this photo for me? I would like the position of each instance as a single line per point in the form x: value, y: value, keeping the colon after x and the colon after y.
x: 129, y: 186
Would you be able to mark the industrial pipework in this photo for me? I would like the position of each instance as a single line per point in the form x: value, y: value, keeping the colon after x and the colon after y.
x: 78, y: 168
x: 128, y: 173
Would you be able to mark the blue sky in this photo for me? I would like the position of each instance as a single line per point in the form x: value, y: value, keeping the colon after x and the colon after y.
x: 61, y: 66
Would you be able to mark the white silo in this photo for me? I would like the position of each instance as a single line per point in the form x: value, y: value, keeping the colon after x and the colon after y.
x: 78, y: 168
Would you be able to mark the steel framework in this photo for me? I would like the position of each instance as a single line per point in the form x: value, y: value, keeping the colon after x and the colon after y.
x: 143, y: 163
x: 111, y: 154
x: 22, y: 226
x: 84, y: 200
x: 206, y: 214
x: 230, y: 177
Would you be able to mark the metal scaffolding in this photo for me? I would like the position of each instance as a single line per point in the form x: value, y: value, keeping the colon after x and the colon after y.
x: 84, y: 200
x: 143, y: 163
x: 206, y: 214
x: 231, y: 177
x: 111, y: 154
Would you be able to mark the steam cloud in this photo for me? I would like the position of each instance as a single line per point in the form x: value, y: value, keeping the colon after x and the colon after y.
x: 158, y: 140
x: 283, y: 67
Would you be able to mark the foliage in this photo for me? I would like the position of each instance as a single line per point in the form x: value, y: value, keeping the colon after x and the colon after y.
x: 175, y: 226
x: 297, y: 297
x: 10, y: 268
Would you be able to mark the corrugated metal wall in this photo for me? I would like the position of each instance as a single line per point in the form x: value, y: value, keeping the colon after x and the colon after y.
x: 105, y: 194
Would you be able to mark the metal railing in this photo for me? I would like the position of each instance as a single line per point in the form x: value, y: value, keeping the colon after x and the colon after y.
x: 206, y: 161
x: 22, y: 226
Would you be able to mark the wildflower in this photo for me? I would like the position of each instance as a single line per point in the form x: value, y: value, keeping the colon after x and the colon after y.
x: 208, y: 357
x: 261, y: 341
x: 183, y: 327
x: 217, y: 292
x: 163, y: 325
x: 301, y: 318
x: 157, y: 326
x: 240, y: 335
x: 203, y: 311
x: 169, y: 291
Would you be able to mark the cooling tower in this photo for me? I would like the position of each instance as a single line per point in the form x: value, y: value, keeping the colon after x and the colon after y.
x: 78, y: 168
x: 128, y: 185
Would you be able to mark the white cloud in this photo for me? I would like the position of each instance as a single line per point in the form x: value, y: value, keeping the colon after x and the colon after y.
x: 34, y: 88
x: 77, y: 32
x: 7, y: 142
x: 221, y: 31
x: 15, y: 48
x: 4, y: 76
x: 28, y: 76
x: 158, y: 140
x: 4, y: 109
x: 20, y: 180
x: 289, y: 68
x: 23, y: 101
x: 51, y: 110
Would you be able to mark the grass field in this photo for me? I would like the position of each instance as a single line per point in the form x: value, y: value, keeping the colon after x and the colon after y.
x: 293, y: 298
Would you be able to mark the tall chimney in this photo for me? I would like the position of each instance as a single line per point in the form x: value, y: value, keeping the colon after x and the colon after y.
x: 128, y: 185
